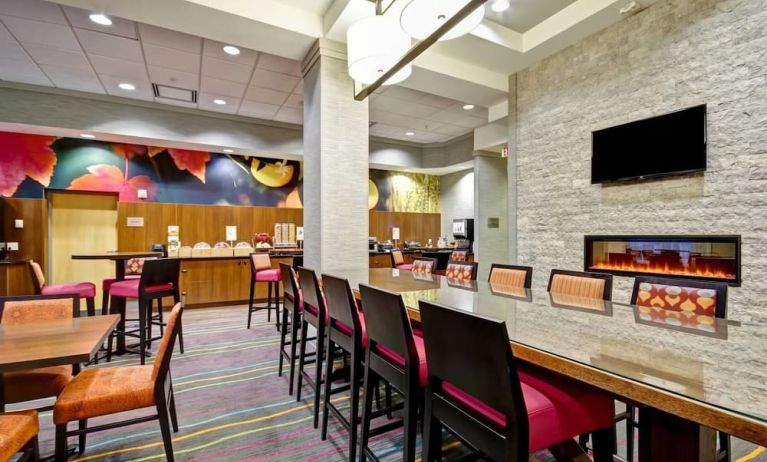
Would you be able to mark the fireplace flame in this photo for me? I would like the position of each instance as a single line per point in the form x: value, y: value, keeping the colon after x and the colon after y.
x: 705, y: 271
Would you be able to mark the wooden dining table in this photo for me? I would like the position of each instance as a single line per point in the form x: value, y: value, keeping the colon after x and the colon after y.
x: 118, y: 257
x: 689, y: 379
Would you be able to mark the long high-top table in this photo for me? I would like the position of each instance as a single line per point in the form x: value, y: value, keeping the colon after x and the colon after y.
x: 690, y: 377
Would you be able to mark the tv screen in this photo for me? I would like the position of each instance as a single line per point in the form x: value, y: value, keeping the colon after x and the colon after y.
x: 670, y: 144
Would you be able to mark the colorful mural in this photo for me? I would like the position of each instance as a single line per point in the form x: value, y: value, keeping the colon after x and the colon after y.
x: 31, y: 163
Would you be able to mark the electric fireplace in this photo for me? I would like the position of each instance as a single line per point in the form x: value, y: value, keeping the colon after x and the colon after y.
x: 714, y: 258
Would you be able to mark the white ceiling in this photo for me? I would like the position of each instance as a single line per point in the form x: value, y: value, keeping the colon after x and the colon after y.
x: 523, y: 15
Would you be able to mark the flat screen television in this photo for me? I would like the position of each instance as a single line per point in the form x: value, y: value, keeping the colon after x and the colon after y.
x: 670, y: 144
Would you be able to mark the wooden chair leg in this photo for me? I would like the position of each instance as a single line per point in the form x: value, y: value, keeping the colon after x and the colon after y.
x: 167, y: 441
x: 269, y: 286
x: 295, y: 324
x: 369, y: 382
x: 142, y: 324
x: 301, y: 359
x: 603, y: 444
x: 354, y: 408
x: 319, y: 357
x: 61, y: 443
x: 283, y: 335
x: 250, y: 298
x: 81, y: 438
x: 631, y: 416
x: 172, y: 408
x: 724, y: 454
x: 326, y: 392
x: 411, y: 423
x: 34, y: 449
x: 277, y: 303
x: 90, y: 306
x: 432, y: 435
x: 105, y: 303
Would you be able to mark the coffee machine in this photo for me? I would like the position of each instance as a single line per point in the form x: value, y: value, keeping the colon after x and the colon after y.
x: 463, y: 233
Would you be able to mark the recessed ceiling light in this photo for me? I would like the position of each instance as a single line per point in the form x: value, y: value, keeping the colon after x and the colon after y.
x: 500, y: 5
x: 87, y: 135
x: 102, y: 19
x: 231, y: 50
x: 228, y: 151
x: 126, y: 86
x: 219, y: 101
x: 409, y: 133
x: 468, y: 107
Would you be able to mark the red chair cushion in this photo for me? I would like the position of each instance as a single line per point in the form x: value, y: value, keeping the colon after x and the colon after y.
x: 405, y: 267
x: 557, y: 409
x: 269, y: 275
x: 346, y: 329
x: 82, y: 289
x: 106, y: 284
x: 300, y: 299
x: 129, y: 288
x: 392, y: 356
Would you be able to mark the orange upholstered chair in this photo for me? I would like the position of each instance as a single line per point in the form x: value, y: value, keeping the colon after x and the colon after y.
x: 459, y: 255
x: 461, y: 270
x: 84, y: 290
x: 424, y: 265
x: 104, y: 391
x: 511, y: 275
x: 581, y: 284
x: 18, y: 433
x: 44, y: 382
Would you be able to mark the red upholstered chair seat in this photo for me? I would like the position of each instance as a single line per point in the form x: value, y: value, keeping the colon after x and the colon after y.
x: 82, y: 289
x: 395, y: 358
x: 129, y: 288
x: 290, y: 298
x: 106, y: 284
x: 405, y: 267
x: 268, y: 275
x: 557, y: 409
x: 346, y: 329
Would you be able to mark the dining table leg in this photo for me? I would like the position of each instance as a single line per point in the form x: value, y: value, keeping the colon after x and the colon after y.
x: 664, y: 436
x: 119, y: 269
x: 118, y: 307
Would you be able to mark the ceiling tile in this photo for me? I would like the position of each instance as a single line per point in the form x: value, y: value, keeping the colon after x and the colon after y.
x: 290, y: 115
x: 222, y: 87
x: 450, y: 130
x: 120, y: 27
x: 172, y: 59
x: 295, y: 101
x: 438, y: 101
x: 205, y: 101
x: 73, y: 79
x: 57, y: 57
x: 22, y: 70
x: 5, y: 36
x: 174, y: 102
x: 173, y: 77
x: 170, y: 39
x: 274, y: 80
x: 128, y: 70
x: 226, y: 70
x: 33, y: 9
x: 28, y: 31
x: 279, y: 64
x: 299, y: 88
x: 265, y: 95
x: 403, y: 93
x: 398, y: 106
x: 216, y: 50
x: 260, y: 110
x: 10, y: 49
x: 99, y: 43
x: 143, y: 89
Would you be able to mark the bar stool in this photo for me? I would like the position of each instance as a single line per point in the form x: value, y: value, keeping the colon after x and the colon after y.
x: 159, y: 279
x: 493, y: 409
x: 316, y: 314
x: 291, y: 318
x: 133, y: 269
x: 395, y: 355
x: 261, y: 271
x: 86, y: 290
x: 346, y: 330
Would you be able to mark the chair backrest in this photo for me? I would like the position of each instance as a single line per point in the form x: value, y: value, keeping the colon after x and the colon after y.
x: 310, y: 288
x: 461, y: 270
x: 34, y: 308
x: 707, y: 298
x: 165, y: 351
x: 38, y: 278
x: 473, y: 353
x: 342, y: 305
x: 387, y: 323
x: 511, y: 275
x: 259, y: 262
x: 289, y: 280
x: 135, y: 266
x: 160, y: 271
x: 459, y: 255
x: 581, y: 284
x: 397, y: 258
x: 424, y: 265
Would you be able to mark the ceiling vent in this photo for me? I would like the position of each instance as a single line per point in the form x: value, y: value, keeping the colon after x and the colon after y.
x: 174, y: 93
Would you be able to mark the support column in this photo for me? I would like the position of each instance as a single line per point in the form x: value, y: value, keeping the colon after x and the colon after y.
x: 491, y: 224
x: 335, y: 166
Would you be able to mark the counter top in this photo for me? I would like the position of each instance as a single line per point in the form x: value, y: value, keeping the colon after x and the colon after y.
x: 13, y: 262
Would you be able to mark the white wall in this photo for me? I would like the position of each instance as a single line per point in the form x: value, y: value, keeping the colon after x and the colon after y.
x: 456, y: 199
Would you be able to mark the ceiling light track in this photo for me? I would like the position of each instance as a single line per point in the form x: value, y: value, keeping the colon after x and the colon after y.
x: 362, y: 92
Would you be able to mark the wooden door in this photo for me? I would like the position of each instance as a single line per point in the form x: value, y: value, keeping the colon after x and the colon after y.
x: 81, y: 223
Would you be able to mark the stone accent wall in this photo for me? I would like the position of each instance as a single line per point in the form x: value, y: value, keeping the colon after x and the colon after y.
x: 674, y: 54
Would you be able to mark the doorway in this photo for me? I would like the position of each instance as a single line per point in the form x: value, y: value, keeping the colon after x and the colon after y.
x: 81, y: 223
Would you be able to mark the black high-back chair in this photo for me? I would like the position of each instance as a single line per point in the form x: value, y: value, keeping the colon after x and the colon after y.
x: 474, y: 391
x: 345, y: 330
x: 293, y: 304
x: 315, y: 313
x: 394, y: 355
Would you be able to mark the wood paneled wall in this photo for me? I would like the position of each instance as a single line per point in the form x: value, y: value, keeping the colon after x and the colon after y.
x: 196, y: 222
x: 412, y: 226
x: 33, y: 237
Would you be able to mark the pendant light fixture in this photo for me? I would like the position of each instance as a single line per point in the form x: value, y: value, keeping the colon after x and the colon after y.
x: 374, y: 45
x: 420, y: 18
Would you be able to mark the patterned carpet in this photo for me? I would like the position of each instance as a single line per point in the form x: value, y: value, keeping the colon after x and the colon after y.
x: 232, y: 406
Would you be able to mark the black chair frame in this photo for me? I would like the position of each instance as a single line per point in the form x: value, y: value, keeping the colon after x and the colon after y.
x: 527, y: 269
x: 310, y: 288
x: 291, y: 319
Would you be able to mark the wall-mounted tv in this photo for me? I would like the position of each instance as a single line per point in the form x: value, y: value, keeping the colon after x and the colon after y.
x: 670, y: 144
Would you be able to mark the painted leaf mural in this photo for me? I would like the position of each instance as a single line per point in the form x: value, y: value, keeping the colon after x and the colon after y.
x: 274, y: 175
x: 108, y: 178
x: 129, y: 151
x: 192, y: 161
x: 22, y: 156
